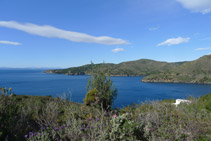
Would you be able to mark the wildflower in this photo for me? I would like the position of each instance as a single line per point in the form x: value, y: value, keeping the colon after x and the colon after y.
x: 81, y: 128
x: 31, y: 134
x: 114, y: 116
x: 25, y: 136
x: 43, y: 128
x: 97, y: 119
x: 55, y: 128
x: 90, y: 119
x: 62, y: 127
x: 148, y: 129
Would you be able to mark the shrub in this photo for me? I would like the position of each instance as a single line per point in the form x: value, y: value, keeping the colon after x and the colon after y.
x: 5, y: 91
x: 48, y: 118
x: 102, y: 84
x: 92, y: 97
x: 122, y: 128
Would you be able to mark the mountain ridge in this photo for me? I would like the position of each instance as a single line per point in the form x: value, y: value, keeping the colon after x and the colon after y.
x: 130, y: 68
x: 196, y: 71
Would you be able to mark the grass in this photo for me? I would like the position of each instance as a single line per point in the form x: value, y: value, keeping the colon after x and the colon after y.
x: 24, y: 117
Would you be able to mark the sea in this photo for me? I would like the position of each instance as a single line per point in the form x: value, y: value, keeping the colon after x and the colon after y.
x: 130, y: 89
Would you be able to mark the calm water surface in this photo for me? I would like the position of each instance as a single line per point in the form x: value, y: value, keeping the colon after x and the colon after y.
x: 130, y: 89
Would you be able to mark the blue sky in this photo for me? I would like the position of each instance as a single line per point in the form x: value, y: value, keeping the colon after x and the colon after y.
x: 67, y: 33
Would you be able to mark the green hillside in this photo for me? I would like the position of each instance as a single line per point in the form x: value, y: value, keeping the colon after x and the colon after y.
x: 131, y: 68
x: 197, y: 71
x: 82, y: 70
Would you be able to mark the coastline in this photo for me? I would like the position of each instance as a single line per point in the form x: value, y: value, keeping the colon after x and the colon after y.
x: 143, y: 80
x: 51, y: 72
x: 174, y: 82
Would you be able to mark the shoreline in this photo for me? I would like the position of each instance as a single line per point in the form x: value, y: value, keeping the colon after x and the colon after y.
x: 90, y: 74
x: 174, y: 82
x: 145, y: 81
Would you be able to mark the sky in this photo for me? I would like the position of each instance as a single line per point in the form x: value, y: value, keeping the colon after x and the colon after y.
x: 69, y: 33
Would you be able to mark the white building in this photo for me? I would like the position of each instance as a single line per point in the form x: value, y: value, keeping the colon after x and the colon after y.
x: 178, y: 101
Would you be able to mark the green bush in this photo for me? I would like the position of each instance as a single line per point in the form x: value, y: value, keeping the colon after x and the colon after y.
x: 104, y: 86
x: 122, y: 128
x: 92, y: 97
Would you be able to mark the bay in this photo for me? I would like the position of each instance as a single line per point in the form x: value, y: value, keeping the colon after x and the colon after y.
x: 130, y: 89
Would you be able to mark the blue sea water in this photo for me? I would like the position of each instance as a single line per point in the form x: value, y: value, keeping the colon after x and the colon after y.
x: 130, y: 89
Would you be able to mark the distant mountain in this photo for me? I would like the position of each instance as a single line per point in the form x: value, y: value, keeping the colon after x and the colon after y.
x: 10, y: 68
x: 197, y: 71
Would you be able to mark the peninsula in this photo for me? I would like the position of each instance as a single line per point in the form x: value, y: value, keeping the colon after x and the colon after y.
x: 197, y: 71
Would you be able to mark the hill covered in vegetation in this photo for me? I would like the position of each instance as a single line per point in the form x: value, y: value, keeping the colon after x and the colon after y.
x: 131, y: 68
x: 197, y: 71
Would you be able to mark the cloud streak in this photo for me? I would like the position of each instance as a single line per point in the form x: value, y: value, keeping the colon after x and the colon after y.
x: 202, y: 6
x: 10, y: 43
x: 116, y: 50
x: 174, y: 41
x: 199, y: 49
x: 153, y: 28
x: 53, y: 32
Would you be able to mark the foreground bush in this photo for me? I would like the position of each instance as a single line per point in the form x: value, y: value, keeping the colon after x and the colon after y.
x: 100, y: 91
x: 46, y: 118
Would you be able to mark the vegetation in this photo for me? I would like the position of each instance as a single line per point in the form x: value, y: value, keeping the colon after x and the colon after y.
x: 34, y: 118
x: 92, y: 97
x: 101, y: 92
x: 131, y: 68
x: 198, y: 71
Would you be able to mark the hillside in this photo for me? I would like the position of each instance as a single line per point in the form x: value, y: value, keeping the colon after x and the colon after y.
x: 131, y: 68
x: 197, y: 71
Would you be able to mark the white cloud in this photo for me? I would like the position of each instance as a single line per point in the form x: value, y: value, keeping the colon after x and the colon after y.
x: 198, y: 49
x: 174, y: 41
x: 118, y: 50
x: 53, y: 32
x: 10, y: 43
x: 153, y: 28
x: 202, y: 6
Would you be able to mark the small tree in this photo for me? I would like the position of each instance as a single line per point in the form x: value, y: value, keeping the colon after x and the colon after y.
x: 100, y: 90
x: 5, y: 91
